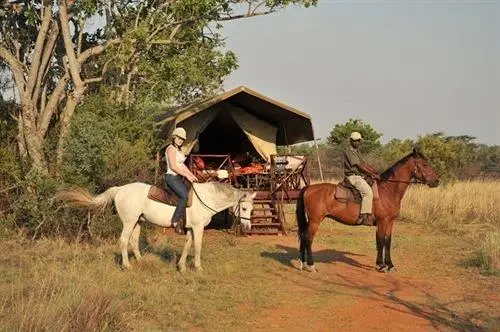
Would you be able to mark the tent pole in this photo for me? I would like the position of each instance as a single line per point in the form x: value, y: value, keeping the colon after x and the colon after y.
x: 319, y: 161
x: 288, y: 147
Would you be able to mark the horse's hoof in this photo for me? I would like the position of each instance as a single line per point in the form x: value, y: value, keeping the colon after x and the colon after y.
x: 181, y: 269
x: 310, y: 268
x: 126, y: 267
x: 393, y: 269
x: 302, y: 266
x: 383, y: 269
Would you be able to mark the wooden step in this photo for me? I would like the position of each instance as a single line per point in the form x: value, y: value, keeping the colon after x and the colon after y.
x: 263, y: 231
x: 266, y: 224
x: 264, y: 216
x: 264, y: 209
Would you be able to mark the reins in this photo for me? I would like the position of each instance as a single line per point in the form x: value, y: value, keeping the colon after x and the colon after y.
x: 403, y: 181
x: 208, y: 207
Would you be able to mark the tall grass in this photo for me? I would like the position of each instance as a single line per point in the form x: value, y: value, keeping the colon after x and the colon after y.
x: 36, y: 296
x: 490, y: 252
x: 469, y: 207
x: 460, y: 203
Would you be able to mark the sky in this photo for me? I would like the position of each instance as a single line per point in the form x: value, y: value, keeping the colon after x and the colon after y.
x: 406, y: 67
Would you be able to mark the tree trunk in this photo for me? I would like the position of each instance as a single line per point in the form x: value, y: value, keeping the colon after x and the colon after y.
x: 33, y: 142
x: 21, y: 144
x: 66, y: 116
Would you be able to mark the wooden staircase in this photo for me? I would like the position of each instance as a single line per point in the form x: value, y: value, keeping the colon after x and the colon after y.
x: 267, y: 218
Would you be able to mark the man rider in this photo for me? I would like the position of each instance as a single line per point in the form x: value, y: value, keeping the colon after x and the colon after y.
x: 356, y: 170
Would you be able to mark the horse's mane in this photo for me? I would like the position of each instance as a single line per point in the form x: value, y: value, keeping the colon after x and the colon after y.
x: 390, y: 171
x: 222, y: 189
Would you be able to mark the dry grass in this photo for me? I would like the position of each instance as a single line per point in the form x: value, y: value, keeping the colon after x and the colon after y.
x: 490, y: 252
x: 50, y: 285
x: 42, y: 293
x: 460, y: 203
x: 471, y: 208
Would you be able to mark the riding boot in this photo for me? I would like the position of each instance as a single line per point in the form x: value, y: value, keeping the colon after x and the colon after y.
x: 365, y: 219
x: 180, y: 227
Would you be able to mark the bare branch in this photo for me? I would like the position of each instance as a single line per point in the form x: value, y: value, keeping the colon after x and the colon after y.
x: 74, y: 65
x: 95, y: 50
x: 50, y: 107
x: 138, y: 14
x: 80, y: 36
x: 49, y: 49
x: 93, y: 80
x: 229, y: 18
x: 257, y: 7
x: 170, y: 39
x: 15, y: 66
x: 37, y: 53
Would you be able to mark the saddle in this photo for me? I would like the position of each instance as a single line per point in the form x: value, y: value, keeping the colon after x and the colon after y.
x: 168, y: 196
x: 346, y: 192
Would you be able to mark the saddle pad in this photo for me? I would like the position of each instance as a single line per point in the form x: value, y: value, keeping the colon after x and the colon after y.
x: 161, y: 195
x: 351, y: 194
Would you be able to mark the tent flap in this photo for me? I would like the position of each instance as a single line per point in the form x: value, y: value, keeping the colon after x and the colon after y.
x: 261, y: 133
x: 194, y: 127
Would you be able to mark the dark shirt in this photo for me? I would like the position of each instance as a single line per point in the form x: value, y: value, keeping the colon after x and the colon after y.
x: 352, y: 159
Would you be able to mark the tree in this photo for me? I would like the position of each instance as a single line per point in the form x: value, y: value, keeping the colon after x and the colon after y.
x: 447, y: 154
x: 394, y: 150
x: 55, y: 60
x: 340, y: 134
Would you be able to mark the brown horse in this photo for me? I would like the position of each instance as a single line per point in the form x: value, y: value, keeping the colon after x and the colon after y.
x: 318, y: 201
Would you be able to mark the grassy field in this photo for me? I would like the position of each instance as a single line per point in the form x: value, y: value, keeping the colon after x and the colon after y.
x: 443, y: 244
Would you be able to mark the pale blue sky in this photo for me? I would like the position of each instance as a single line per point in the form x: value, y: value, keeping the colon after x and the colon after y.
x: 406, y: 67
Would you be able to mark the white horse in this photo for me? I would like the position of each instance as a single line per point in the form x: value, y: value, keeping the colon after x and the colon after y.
x: 133, y: 205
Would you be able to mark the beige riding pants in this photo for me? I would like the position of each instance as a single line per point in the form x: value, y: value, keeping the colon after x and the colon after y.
x: 365, y: 190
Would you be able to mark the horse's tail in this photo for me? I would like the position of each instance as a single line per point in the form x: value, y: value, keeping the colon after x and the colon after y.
x: 81, y: 197
x: 300, y: 214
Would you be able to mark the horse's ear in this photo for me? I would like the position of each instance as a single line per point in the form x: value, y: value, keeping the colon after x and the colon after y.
x: 416, y: 151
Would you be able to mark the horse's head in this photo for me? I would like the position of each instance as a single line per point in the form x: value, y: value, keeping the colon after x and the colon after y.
x: 422, y: 171
x: 243, y: 209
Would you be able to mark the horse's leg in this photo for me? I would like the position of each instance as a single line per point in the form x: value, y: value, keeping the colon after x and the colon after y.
x: 388, y: 260
x: 383, y: 237
x: 303, y: 250
x: 311, y: 232
x: 380, y: 244
x: 198, y: 238
x: 128, y: 227
x: 181, y: 265
x: 134, y: 241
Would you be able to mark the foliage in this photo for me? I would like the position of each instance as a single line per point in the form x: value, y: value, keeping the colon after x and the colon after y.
x: 454, y: 157
x: 111, y: 146
x: 163, y: 50
x: 339, y: 136
x: 447, y: 154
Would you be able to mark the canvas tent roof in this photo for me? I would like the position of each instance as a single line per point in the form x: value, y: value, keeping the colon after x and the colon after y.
x: 265, y: 122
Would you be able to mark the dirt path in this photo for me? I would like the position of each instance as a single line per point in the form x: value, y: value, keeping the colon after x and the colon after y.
x: 349, y: 295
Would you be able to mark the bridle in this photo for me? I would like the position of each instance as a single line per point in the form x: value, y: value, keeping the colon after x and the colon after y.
x: 414, y: 172
x: 239, y: 217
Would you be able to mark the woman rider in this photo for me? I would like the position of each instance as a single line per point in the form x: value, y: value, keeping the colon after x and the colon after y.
x: 175, y: 169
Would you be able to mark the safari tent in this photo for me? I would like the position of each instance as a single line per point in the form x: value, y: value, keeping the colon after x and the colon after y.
x: 243, y: 128
x: 238, y: 120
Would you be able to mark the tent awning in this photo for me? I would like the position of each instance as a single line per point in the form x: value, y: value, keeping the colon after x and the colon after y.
x: 292, y: 126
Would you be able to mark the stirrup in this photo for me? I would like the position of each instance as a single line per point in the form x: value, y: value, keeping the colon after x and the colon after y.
x: 365, y: 219
x: 179, y: 228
